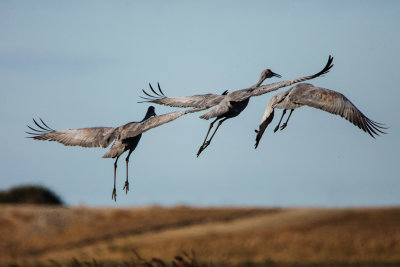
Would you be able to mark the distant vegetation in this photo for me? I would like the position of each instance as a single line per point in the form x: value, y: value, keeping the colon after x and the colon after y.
x: 30, y: 194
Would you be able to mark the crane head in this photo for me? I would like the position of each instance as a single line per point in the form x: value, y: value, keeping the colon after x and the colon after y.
x: 268, y: 73
x: 151, y: 111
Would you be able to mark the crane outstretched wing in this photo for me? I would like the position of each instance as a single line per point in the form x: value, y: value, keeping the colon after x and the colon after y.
x: 195, y: 101
x: 85, y: 137
x: 336, y: 103
x: 136, y: 128
x: 275, y: 86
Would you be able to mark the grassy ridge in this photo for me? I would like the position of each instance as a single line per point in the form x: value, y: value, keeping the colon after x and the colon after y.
x: 258, y: 237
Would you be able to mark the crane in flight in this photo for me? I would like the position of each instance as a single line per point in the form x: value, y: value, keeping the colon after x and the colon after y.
x: 306, y: 94
x: 125, y: 137
x: 227, y: 105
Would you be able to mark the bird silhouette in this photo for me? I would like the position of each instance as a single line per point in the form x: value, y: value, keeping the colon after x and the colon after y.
x: 306, y: 94
x: 227, y: 105
x: 125, y: 137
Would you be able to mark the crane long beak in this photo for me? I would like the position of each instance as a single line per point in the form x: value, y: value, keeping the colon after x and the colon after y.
x: 276, y: 74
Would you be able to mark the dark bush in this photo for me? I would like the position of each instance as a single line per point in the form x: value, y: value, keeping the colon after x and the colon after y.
x: 30, y: 194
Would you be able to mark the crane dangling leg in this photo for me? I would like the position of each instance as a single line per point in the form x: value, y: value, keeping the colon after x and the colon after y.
x: 207, y: 143
x: 277, y: 126
x: 114, y: 192
x: 209, y: 129
x: 205, y: 139
x: 126, y: 186
x: 285, y: 124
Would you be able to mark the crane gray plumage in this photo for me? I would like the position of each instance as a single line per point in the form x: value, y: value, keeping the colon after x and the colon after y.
x: 125, y: 137
x: 196, y: 101
x: 306, y: 94
x: 227, y: 105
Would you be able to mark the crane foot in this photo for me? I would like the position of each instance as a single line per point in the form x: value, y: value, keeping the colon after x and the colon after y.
x: 114, y: 195
x: 126, y: 187
x: 202, y: 148
x: 276, y: 128
x: 283, y: 126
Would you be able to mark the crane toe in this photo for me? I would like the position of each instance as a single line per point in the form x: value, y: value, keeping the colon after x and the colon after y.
x: 114, y: 195
x: 200, y: 150
x: 203, y: 146
x: 126, y: 187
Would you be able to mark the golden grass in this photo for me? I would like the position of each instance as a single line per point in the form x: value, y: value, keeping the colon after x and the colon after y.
x: 219, y: 235
x: 32, y: 230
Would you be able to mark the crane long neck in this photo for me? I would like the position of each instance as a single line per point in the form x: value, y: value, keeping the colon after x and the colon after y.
x: 259, y: 82
x: 148, y: 115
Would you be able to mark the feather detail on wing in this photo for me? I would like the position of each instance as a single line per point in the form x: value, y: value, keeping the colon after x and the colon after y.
x: 115, y: 150
x: 275, y: 86
x: 195, y: 101
x: 215, y: 112
x: 336, y: 103
x: 84, y: 137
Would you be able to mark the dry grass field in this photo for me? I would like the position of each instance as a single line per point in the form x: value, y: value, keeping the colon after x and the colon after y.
x: 32, y: 235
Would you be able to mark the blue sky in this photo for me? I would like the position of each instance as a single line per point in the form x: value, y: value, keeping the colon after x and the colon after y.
x: 83, y: 63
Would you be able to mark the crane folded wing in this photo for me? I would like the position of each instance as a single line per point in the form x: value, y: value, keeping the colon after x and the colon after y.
x: 215, y: 112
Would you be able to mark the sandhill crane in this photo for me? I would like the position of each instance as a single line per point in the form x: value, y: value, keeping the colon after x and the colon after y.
x: 306, y: 94
x: 126, y: 136
x: 227, y: 105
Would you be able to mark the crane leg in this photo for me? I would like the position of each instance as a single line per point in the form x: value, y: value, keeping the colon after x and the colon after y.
x: 285, y: 124
x: 209, y: 129
x: 126, y: 186
x: 205, y: 139
x: 207, y: 143
x: 219, y: 124
x: 114, y: 192
x: 277, y: 126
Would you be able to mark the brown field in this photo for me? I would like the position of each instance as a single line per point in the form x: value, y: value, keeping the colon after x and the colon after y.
x: 223, y: 236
